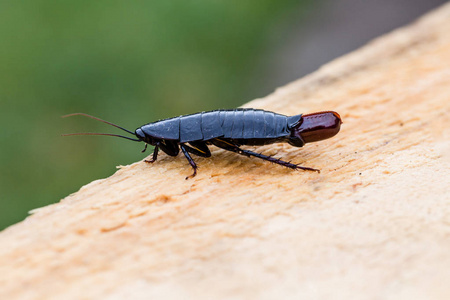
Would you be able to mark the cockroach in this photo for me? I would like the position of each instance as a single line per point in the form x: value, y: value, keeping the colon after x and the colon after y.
x: 229, y: 130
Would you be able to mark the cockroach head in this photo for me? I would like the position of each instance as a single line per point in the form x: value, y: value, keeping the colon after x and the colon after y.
x: 139, y: 133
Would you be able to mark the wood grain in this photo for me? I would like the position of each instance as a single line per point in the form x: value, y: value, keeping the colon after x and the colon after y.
x: 374, y: 224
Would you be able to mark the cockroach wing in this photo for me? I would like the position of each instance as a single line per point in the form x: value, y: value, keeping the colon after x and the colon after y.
x: 191, y: 128
x: 259, y: 124
x: 281, y: 128
x: 238, y: 124
x: 293, y: 121
x: 168, y: 129
x: 249, y: 124
x: 211, y: 125
x: 227, y: 124
x: 269, y: 128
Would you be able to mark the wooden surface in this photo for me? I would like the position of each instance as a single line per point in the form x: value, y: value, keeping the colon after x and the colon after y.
x: 375, y: 224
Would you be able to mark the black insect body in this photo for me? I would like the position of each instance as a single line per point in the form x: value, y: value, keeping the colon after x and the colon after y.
x: 230, y: 129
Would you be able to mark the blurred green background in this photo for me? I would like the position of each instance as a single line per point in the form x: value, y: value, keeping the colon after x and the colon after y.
x: 132, y: 62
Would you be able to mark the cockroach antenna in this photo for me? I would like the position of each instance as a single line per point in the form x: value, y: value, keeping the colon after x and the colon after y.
x: 95, y: 133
